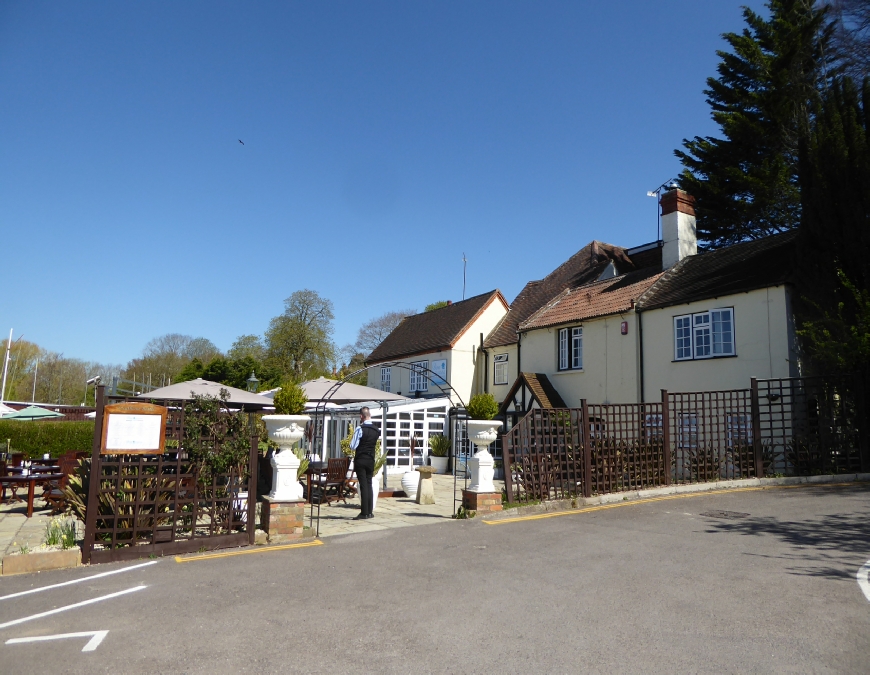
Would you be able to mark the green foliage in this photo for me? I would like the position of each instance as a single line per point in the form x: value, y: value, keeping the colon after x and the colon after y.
x: 303, y: 462
x: 215, y: 438
x: 839, y: 341
x: 298, y: 342
x: 346, y: 450
x: 290, y: 400
x: 380, y: 458
x: 435, y: 305
x: 232, y: 372
x: 482, y: 407
x: 60, y: 533
x: 746, y: 183
x: 439, y: 445
x: 34, y: 439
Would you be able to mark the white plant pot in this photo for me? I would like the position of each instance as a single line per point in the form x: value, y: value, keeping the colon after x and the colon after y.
x: 410, y: 481
x: 376, y: 487
x: 285, y: 431
x: 482, y: 433
x: 439, y: 463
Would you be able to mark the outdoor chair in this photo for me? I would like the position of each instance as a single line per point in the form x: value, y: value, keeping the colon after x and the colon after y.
x: 351, y: 483
x: 53, y: 491
x: 331, y: 486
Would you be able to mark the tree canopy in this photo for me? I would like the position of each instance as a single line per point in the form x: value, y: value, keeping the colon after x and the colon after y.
x: 373, y: 332
x: 299, y: 341
x: 746, y: 184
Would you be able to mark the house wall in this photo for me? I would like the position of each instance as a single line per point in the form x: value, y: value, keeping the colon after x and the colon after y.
x: 763, y: 340
x: 499, y: 391
x: 461, y: 360
x: 610, y: 359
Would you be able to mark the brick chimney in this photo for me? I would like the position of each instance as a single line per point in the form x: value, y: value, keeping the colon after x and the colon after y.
x: 678, y: 227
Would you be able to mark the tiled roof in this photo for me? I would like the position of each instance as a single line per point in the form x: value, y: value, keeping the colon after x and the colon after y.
x: 742, y: 267
x: 600, y: 298
x: 540, y: 386
x: 435, y: 330
x: 584, y: 266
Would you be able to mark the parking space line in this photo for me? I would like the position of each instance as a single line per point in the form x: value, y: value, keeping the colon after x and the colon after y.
x: 634, y: 502
x: 95, y: 635
x: 76, y: 581
x: 78, y: 604
x: 264, y: 549
x: 864, y: 579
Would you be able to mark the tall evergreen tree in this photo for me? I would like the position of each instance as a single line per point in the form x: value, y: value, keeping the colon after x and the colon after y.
x: 834, y: 242
x: 746, y: 183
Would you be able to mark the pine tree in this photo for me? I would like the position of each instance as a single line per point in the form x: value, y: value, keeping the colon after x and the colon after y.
x: 746, y: 183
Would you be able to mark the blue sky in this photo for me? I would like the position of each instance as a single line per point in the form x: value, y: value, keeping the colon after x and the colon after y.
x: 381, y: 141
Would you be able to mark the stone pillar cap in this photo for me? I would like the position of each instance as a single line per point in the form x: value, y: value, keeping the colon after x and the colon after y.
x: 427, y: 470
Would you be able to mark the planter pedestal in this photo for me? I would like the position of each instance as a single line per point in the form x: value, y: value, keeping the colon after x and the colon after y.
x: 481, y: 502
x: 426, y: 489
x: 283, y: 520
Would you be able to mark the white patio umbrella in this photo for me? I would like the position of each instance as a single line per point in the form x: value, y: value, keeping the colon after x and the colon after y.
x: 184, y: 391
x: 348, y: 392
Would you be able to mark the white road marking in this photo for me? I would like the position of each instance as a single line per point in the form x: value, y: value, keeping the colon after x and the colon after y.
x: 78, y: 604
x: 864, y: 579
x: 76, y: 581
x: 95, y: 635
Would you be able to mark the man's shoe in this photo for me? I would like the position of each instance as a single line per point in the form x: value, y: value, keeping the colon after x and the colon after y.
x: 371, y: 515
x: 361, y: 517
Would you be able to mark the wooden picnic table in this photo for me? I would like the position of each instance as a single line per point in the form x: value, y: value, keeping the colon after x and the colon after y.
x: 36, y: 468
x: 31, y: 482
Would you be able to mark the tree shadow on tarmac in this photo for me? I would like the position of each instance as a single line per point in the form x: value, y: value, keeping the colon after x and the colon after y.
x: 831, y: 546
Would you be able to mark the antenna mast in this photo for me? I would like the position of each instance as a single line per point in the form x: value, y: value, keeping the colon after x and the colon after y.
x: 464, y: 264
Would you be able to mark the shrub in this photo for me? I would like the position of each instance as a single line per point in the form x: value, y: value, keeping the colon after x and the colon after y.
x: 482, y: 407
x: 439, y: 446
x: 34, y: 439
x: 290, y: 400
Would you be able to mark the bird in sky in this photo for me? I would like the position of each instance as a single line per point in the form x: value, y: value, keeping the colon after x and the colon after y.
x: 241, y: 141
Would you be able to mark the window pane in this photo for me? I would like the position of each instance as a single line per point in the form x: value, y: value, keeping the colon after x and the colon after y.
x: 563, y: 349
x: 385, y: 379
x: 576, y: 347
x: 683, y: 337
x: 703, y: 342
x: 723, y: 332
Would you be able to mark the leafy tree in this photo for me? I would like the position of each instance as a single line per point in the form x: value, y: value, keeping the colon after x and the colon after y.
x: 232, y: 372
x: 165, y: 356
x: 436, y: 305
x: 298, y: 342
x: 248, y: 346
x: 834, y: 241
x: 746, y: 183
x: 852, y: 36
x: 373, y: 332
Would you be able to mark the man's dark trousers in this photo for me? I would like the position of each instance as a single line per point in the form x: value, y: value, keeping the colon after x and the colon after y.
x: 365, y: 467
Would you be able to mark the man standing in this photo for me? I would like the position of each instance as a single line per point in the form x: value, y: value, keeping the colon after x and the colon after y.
x: 363, y: 444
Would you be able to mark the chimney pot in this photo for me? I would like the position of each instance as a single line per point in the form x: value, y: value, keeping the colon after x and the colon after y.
x: 449, y: 302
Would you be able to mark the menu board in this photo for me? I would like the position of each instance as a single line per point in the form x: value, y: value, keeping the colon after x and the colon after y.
x: 137, y: 428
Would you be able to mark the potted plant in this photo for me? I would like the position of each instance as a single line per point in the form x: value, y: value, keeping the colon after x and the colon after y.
x: 411, y: 479
x: 439, y: 449
x: 286, y: 429
x: 482, y: 431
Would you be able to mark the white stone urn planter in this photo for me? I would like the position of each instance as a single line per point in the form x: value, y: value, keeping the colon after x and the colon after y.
x: 439, y: 463
x: 410, y: 481
x: 482, y: 433
x: 285, y: 431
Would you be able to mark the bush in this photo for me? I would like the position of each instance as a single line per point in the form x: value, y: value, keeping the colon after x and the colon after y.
x: 439, y: 446
x: 482, y: 407
x: 290, y: 400
x: 34, y: 439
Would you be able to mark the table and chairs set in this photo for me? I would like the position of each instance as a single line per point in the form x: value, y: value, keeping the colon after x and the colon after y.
x: 18, y: 474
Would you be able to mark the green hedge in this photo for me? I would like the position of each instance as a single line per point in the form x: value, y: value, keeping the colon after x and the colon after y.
x: 34, y: 439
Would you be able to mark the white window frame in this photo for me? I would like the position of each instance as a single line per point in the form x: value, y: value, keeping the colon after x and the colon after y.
x: 704, y: 335
x: 419, y: 379
x: 386, y: 375
x: 570, y: 346
x: 500, y: 369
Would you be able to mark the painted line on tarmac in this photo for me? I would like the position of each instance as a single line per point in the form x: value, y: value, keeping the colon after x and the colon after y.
x: 78, y: 604
x: 264, y: 549
x: 76, y: 581
x: 634, y: 502
x: 864, y: 579
x: 95, y: 635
